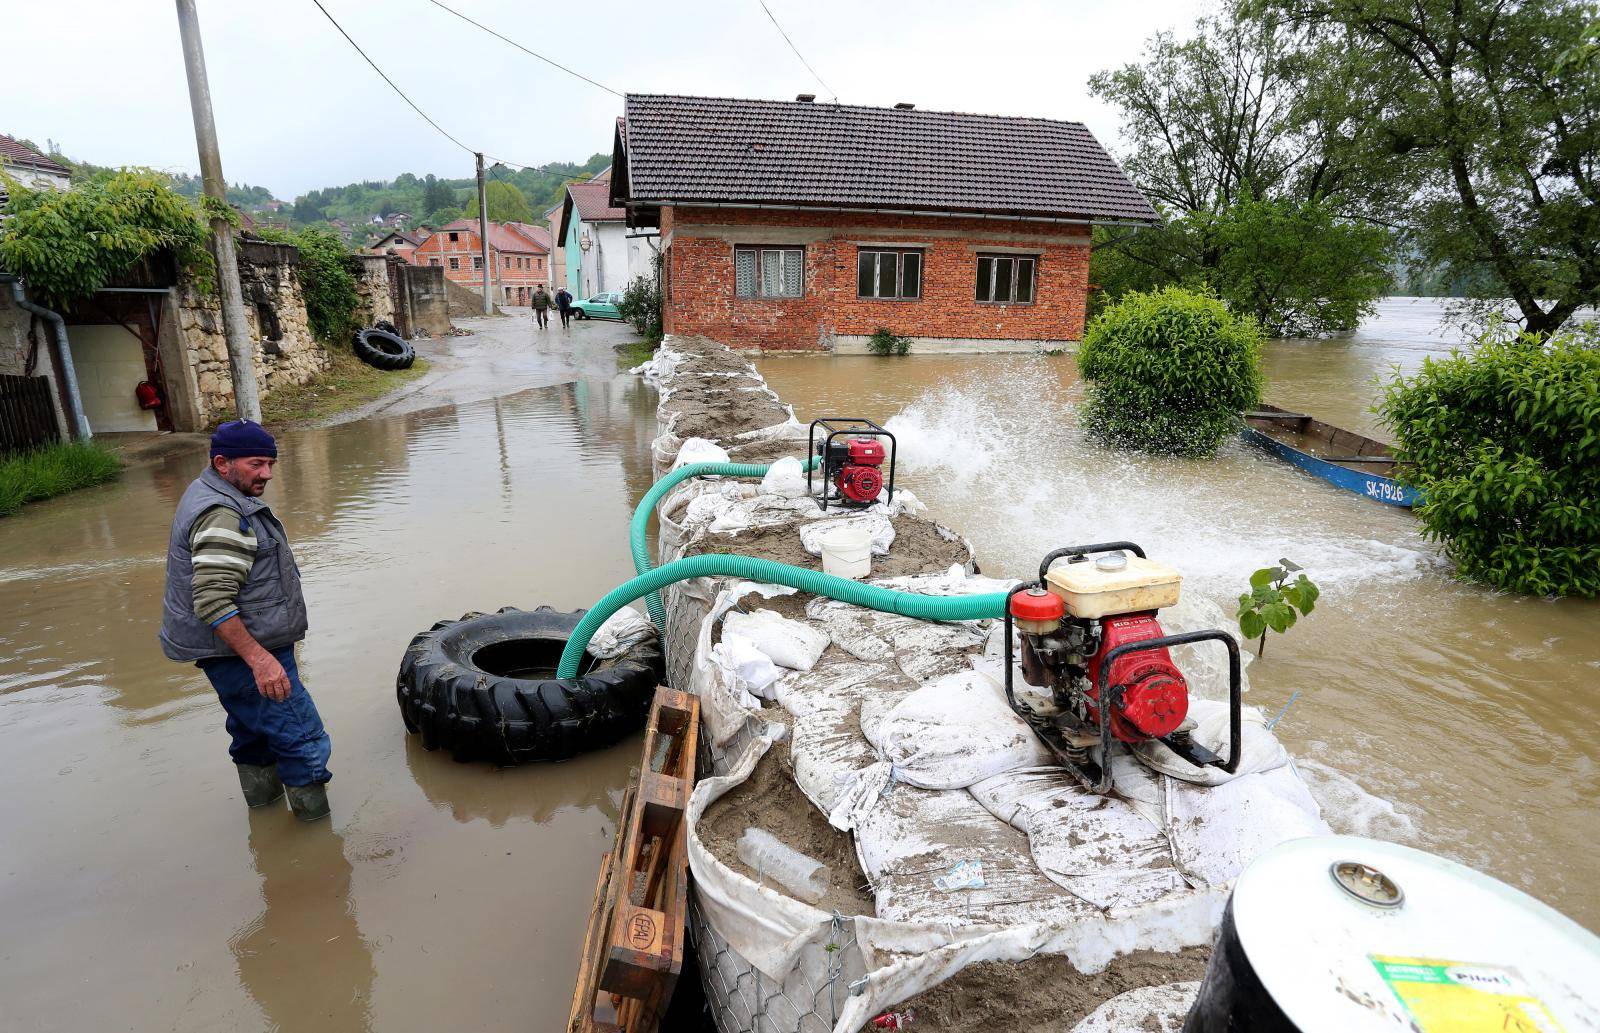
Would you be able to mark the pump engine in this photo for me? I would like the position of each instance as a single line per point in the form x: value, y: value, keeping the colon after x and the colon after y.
x: 1089, y: 634
x: 852, y: 456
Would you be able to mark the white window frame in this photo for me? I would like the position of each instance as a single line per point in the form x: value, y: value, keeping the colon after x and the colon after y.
x: 785, y: 255
x: 900, y: 254
x: 1016, y: 260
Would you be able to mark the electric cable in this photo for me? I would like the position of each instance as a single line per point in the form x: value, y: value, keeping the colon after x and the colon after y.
x: 525, y: 50
x: 413, y: 104
x: 792, y: 47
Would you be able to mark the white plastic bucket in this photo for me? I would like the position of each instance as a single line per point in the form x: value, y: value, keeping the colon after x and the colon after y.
x: 847, y: 551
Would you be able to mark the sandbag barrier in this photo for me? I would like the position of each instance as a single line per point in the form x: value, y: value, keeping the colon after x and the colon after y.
x: 770, y: 963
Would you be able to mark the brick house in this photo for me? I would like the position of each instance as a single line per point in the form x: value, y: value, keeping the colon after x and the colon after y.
x: 398, y: 242
x: 519, y: 258
x: 798, y: 225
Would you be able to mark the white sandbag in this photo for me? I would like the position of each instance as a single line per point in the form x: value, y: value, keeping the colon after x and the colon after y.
x: 789, y: 643
x: 1262, y: 750
x: 1216, y: 831
x: 954, y: 731
x: 699, y: 450
x: 879, y: 531
x: 746, y: 665
x: 785, y: 478
x: 621, y: 632
x: 1155, y: 1009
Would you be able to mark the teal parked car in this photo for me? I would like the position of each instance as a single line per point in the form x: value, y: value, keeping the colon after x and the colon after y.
x: 601, y: 306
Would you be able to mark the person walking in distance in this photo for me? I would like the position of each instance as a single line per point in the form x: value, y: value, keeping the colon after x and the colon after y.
x: 564, y: 306
x: 542, y: 303
x: 233, y: 607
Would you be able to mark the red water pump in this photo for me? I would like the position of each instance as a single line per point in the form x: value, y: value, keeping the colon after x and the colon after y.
x: 1089, y: 634
x: 852, y: 456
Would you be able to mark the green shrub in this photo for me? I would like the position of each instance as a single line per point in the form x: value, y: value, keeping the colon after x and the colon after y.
x: 53, y: 470
x: 641, y: 305
x: 885, y: 342
x: 1504, y: 443
x: 1170, y: 371
x: 69, y: 243
x: 327, y: 280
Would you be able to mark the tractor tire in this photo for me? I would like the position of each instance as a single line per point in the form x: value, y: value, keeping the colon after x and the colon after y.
x: 382, y: 349
x: 387, y: 327
x: 484, y: 688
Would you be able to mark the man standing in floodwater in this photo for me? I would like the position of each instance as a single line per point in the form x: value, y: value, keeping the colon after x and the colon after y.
x: 542, y: 303
x: 234, y: 608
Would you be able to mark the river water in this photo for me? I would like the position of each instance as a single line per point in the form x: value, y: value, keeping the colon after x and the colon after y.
x: 136, y: 892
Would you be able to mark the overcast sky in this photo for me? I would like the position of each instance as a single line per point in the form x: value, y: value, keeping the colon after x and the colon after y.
x: 297, y: 108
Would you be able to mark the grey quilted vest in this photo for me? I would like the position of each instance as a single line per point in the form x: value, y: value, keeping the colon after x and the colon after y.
x: 270, y: 603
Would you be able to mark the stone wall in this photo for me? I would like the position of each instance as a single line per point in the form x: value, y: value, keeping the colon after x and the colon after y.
x: 14, y: 343
x: 372, y: 287
x: 429, y: 302
x: 275, y: 309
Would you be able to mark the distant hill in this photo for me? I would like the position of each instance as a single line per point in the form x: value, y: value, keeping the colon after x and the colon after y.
x: 428, y: 200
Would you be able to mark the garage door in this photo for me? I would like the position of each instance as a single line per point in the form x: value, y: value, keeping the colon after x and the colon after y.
x: 110, y: 363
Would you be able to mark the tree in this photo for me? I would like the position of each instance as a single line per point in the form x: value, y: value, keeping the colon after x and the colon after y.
x: 506, y: 203
x: 1486, y: 136
x: 1236, y: 136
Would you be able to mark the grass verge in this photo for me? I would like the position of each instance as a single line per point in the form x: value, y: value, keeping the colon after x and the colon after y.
x: 347, y: 383
x: 53, y: 470
x: 635, y: 352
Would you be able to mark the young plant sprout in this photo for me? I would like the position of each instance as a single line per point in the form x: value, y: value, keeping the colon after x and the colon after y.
x: 1274, y: 602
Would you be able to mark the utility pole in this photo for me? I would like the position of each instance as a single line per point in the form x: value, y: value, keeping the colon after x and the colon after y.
x: 241, y: 350
x: 483, y: 234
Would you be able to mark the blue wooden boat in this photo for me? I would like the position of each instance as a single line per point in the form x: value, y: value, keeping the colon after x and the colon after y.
x: 1346, y: 460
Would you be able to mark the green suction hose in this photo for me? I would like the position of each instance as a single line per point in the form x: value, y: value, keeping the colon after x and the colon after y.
x: 749, y: 568
x: 647, y: 505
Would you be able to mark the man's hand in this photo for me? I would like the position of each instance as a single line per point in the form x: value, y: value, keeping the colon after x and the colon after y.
x: 271, y: 680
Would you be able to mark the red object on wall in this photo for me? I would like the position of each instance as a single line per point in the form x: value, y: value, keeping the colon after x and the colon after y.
x: 148, y: 394
x: 1157, y: 698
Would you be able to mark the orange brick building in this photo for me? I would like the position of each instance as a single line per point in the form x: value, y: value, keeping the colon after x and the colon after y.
x: 519, y: 258
x: 797, y: 225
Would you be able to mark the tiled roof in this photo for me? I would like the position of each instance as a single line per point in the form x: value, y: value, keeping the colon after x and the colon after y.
x: 593, y: 201
x: 687, y: 149
x: 502, y: 237
x: 13, y: 153
x: 534, y: 232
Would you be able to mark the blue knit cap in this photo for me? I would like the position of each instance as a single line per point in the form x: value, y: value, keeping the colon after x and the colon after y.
x: 238, y: 438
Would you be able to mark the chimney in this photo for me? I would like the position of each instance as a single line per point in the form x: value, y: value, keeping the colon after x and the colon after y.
x: 904, y: 105
x: 805, y: 98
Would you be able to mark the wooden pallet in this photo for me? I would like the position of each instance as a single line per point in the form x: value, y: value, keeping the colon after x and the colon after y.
x: 633, y: 949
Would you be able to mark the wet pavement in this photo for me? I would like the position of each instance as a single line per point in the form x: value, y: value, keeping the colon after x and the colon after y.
x: 138, y: 893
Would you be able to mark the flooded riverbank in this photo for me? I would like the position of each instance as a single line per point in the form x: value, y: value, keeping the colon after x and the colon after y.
x: 136, y: 892
x: 1463, y: 715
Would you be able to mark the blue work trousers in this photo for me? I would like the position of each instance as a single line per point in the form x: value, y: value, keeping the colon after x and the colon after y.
x: 265, y: 732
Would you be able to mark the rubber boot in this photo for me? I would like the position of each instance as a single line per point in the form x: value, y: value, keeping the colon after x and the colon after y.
x: 260, y: 784
x: 309, y: 802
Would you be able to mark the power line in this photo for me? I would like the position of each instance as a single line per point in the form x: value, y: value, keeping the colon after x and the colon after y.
x: 530, y: 53
x: 792, y: 47
x: 442, y: 131
x: 413, y: 104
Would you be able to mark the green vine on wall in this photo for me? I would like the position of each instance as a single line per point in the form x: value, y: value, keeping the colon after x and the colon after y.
x: 67, y: 244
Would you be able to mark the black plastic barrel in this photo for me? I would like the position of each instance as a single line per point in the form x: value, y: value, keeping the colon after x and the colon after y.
x: 1232, y: 998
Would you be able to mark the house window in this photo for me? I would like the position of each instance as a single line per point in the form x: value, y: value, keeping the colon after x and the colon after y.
x: 433, y: 261
x: 454, y: 238
x: 477, y: 262
x: 508, y: 262
x: 889, y: 273
x: 1006, y: 279
x: 768, y: 272
x: 455, y: 263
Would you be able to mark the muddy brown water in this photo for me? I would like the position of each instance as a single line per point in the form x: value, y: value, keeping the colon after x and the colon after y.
x: 137, y: 893
x: 1430, y: 711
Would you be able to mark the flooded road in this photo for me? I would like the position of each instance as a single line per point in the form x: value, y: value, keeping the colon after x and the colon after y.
x: 1464, y: 720
x: 138, y: 893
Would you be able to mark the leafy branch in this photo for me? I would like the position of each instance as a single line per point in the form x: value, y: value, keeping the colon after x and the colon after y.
x: 1275, y: 602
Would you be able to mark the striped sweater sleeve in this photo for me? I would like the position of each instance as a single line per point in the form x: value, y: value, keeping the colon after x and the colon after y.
x: 222, y: 548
